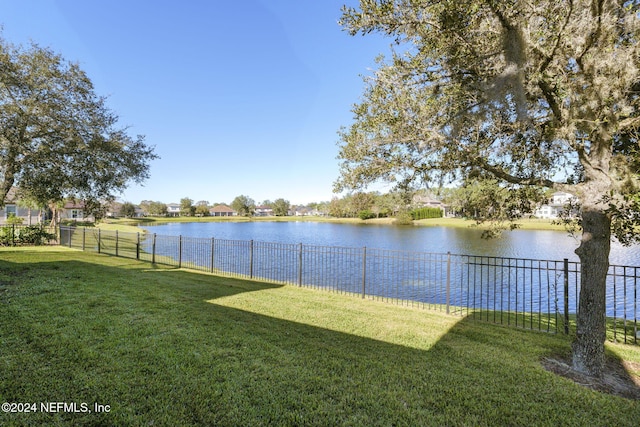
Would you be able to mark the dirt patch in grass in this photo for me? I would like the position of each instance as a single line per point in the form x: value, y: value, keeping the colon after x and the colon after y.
x: 619, y: 378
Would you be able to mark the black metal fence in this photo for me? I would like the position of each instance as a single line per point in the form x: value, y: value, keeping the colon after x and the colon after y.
x: 527, y: 293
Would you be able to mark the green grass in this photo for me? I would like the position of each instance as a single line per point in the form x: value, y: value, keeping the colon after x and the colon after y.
x: 523, y: 224
x: 170, y: 347
x: 131, y: 224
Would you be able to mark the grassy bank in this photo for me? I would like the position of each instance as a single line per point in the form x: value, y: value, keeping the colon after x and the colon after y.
x: 525, y: 224
x: 168, y: 347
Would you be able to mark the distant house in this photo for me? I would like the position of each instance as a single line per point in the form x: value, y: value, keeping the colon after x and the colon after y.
x: 557, y: 203
x: 12, y: 207
x: 222, y: 210
x: 113, y: 210
x: 263, y: 211
x: 75, y: 211
x: 173, y: 209
x: 302, y: 211
x: 305, y: 211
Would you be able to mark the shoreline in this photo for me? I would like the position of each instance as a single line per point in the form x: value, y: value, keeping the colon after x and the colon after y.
x: 134, y: 224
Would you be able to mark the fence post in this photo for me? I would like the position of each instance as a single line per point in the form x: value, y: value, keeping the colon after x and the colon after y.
x: 84, y: 237
x: 251, y: 259
x: 213, y: 242
x: 153, y: 249
x: 300, y: 264
x: 116, y: 242
x: 364, y: 271
x: 180, y: 251
x: 13, y: 234
x: 99, y: 241
x: 566, y: 296
x: 69, y: 232
x: 448, y: 282
x: 138, y: 246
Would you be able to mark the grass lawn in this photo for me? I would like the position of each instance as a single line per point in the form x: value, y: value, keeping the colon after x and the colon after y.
x: 168, y: 347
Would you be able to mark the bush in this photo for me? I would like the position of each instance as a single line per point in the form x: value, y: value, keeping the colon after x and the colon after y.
x: 7, y: 235
x: 13, y: 219
x: 403, y: 218
x: 34, y: 235
x: 31, y: 235
x: 366, y: 214
x: 425, y: 213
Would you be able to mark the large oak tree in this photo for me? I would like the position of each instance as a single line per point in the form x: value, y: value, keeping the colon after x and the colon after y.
x: 534, y: 93
x: 58, y: 139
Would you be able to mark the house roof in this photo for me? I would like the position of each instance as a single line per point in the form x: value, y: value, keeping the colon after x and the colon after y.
x: 74, y: 205
x: 427, y: 200
x: 11, y: 195
x: 221, y: 208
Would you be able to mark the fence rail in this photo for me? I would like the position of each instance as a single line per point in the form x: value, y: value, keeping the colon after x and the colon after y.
x: 526, y: 293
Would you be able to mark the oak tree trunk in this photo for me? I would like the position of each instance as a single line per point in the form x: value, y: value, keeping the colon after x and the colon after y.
x: 588, y: 347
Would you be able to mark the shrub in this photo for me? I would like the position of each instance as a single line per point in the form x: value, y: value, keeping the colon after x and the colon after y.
x: 34, y: 235
x: 11, y: 235
x: 366, y: 214
x: 13, y: 219
x: 403, y: 218
x: 7, y: 235
x: 425, y: 213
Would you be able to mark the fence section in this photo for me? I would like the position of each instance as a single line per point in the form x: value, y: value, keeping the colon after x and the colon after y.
x: 527, y: 293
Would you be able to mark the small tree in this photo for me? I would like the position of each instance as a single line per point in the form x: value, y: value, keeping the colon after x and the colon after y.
x: 186, y: 207
x: 202, y: 210
x: 12, y: 219
x: 281, y: 207
x: 128, y: 210
x: 157, y: 208
x: 244, y: 205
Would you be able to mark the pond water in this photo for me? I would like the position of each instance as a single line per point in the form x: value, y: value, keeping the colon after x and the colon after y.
x: 534, y: 244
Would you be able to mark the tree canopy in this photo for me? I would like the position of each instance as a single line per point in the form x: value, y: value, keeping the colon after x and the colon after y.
x: 533, y: 93
x: 244, y: 205
x: 281, y: 207
x: 128, y: 210
x: 58, y: 139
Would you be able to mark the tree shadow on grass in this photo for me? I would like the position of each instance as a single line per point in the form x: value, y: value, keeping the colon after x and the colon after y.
x: 617, y: 380
x: 167, y: 347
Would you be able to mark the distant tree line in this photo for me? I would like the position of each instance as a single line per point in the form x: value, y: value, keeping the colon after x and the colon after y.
x: 473, y: 199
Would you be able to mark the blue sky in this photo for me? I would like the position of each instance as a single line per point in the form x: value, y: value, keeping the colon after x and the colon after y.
x: 238, y: 97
